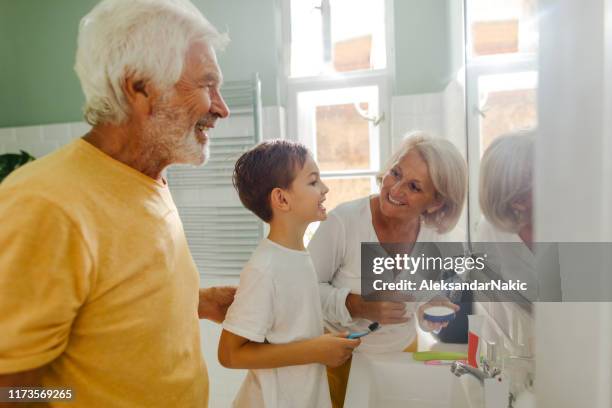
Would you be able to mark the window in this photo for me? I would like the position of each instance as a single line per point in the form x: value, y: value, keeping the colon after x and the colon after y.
x: 338, y: 84
x: 502, y: 77
x: 330, y: 36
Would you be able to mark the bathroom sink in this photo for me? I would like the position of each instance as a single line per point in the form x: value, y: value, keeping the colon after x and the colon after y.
x: 393, y: 380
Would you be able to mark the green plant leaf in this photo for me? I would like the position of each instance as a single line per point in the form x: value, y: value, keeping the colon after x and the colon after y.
x: 9, y: 162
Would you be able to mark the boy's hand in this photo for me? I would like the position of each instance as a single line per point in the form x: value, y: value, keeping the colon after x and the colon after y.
x: 335, y: 349
x: 215, y: 301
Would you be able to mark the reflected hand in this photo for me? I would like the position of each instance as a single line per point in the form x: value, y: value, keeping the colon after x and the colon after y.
x: 430, y: 326
x: 215, y: 301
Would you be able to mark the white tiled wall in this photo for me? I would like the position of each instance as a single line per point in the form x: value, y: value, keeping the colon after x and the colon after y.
x: 441, y: 114
x: 224, y: 383
x: 40, y: 140
x: 417, y: 112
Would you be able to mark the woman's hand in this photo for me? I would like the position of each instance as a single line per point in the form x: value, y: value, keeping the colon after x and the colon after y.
x: 383, y: 312
x: 334, y: 349
x: 435, y: 327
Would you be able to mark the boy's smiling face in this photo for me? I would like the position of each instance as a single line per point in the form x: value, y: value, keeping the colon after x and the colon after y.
x: 307, y: 193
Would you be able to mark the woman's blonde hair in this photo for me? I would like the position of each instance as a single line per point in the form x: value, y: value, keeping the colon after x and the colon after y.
x: 506, y: 175
x: 448, y: 172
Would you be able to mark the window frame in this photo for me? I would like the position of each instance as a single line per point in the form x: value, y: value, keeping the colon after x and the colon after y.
x: 381, y: 78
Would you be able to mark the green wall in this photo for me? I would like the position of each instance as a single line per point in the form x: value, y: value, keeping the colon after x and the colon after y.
x: 7, y: 65
x: 422, y: 46
x: 40, y: 85
x: 38, y: 45
x: 254, y: 46
x: 38, y: 42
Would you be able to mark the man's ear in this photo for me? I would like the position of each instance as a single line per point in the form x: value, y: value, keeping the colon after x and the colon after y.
x: 279, y: 200
x: 139, y: 93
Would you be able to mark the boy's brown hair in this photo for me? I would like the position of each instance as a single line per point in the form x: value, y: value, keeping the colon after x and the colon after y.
x: 269, y: 165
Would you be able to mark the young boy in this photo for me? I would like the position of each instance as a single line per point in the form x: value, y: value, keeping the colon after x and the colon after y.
x: 274, y: 327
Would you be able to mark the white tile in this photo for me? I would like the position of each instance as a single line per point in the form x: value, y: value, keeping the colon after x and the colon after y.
x: 78, y: 129
x: 59, y: 132
x: 224, y: 383
x: 431, y: 103
x: 273, y: 122
x: 37, y: 149
x: 420, y: 104
x: 43, y: 148
x: 14, y: 147
x: 28, y: 134
x: 403, y: 124
x: 433, y: 124
x: 402, y: 105
x: 234, y: 126
x: 7, y: 134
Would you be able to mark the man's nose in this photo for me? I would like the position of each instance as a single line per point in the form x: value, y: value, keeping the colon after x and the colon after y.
x: 219, y: 107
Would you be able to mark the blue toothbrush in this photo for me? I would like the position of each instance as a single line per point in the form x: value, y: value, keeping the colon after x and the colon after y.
x: 372, y: 327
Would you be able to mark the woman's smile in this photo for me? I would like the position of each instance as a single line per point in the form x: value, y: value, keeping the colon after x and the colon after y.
x: 394, y: 201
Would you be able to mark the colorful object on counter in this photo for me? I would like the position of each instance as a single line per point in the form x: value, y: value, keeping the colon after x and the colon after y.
x: 474, y: 333
x: 372, y: 327
x: 438, y: 355
x: 439, y: 314
x: 443, y: 362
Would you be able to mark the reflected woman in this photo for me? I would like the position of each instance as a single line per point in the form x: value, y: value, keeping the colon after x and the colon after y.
x: 505, y: 234
x: 422, y: 192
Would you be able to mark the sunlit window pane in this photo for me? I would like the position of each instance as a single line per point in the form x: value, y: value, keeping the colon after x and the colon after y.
x: 502, y: 27
x: 342, y: 190
x: 306, y: 38
x: 508, y: 103
x: 342, y: 138
x: 337, y: 125
x: 346, y: 189
x: 358, y: 34
x: 355, y: 40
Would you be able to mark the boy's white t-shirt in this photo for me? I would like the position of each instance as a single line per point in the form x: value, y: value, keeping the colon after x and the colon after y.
x: 278, y: 301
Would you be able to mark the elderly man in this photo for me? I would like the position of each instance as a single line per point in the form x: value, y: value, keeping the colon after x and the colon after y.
x: 99, y: 289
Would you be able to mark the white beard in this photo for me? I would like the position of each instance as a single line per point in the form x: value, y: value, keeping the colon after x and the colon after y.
x: 168, y: 139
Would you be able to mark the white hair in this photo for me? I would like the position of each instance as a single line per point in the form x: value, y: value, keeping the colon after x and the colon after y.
x: 147, y: 38
x: 448, y: 172
x: 506, y: 175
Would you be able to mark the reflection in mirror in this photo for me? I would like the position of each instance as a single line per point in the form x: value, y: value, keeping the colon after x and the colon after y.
x: 501, y: 78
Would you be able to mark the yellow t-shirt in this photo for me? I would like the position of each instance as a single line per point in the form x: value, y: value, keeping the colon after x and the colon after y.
x: 98, y: 284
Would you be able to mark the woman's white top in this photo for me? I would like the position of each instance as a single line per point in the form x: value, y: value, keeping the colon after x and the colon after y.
x: 335, y: 249
x: 278, y: 301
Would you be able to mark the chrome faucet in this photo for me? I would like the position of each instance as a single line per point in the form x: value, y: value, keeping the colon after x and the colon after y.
x: 459, y: 368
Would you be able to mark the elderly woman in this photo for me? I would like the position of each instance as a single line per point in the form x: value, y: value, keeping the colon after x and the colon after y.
x: 505, y: 192
x: 422, y: 191
x: 505, y: 233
